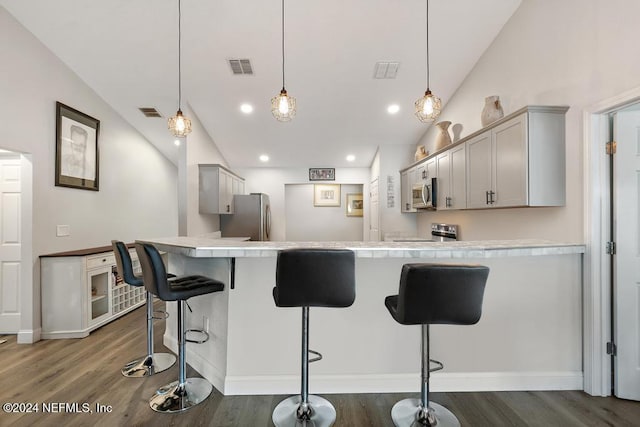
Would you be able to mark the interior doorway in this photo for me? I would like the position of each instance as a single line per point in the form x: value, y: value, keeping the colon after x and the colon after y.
x: 11, y: 262
x: 610, y: 214
x: 625, y: 192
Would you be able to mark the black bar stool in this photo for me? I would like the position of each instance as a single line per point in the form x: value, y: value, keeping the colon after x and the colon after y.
x: 152, y: 363
x: 185, y: 393
x: 311, y: 278
x: 445, y: 294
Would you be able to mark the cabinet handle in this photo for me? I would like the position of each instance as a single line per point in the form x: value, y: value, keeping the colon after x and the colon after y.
x: 491, y: 194
x: 424, y: 174
x: 227, y: 208
x: 486, y: 194
x: 407, y: 206
x: 448, y: 202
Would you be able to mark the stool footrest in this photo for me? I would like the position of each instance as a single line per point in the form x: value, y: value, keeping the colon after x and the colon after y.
x: 198, y: 331
x: 438, y: 364
x: 315, y: 359
x: 160, y: 315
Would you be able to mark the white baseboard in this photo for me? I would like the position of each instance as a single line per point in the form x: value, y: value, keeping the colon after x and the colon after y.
x: 403, y: 383
x: 28, y: 336
x: 380, y: 383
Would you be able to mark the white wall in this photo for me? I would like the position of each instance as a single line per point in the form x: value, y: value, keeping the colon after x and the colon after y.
x: 387, y: 163
x: 199, y: 148
x: 273, y: 180
x: 569, y: 52
x: 306, y: 222
x: 138, y: 186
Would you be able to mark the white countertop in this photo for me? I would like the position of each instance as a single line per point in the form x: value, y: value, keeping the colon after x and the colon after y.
x: 205, y: 247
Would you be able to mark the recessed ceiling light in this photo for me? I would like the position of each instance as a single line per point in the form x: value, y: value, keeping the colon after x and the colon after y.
x: 246, y: 108
x: 393, y: 108
x: 264, y: 158
x: 177, y: 142
x: 351, y: 158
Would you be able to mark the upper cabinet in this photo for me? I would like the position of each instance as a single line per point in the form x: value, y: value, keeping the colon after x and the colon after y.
x: 451, y: 167
x: 516, y: 161
x: 217, y: 185
x: 407, y: 180
x: 519, y: 161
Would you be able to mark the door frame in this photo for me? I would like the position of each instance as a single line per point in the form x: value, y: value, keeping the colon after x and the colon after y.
x: 597, y: 263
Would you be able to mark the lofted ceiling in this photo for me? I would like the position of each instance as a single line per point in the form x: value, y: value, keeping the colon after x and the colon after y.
x: 126, y: 50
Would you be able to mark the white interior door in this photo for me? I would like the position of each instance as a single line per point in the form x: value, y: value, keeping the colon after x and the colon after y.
x: 374, y: 214
x: 10, y: 243
x: 627, y: 258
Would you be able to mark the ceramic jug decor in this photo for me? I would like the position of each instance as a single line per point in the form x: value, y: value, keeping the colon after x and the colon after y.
x: 492, y: 110
x: 443, y: 138
x: 421, y: 153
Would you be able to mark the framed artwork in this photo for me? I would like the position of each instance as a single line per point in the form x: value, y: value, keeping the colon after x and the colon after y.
x: 76, y: 149
x: 354, y: 204
x: 322, y: 174
x: 326, y: 195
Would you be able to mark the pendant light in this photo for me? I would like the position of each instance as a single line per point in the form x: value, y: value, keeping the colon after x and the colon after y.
x: 428, y: 107
x: 179, y: 125
x: 283, y: 106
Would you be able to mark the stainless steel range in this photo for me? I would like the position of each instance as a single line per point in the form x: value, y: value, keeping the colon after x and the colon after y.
x: 439, y: 233
x: 444, y: 232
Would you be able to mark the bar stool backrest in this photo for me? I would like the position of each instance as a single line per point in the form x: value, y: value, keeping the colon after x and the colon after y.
x: 441, y: 293
x: 125, y: 266
x: 315, y: 278
x: 154, y: 273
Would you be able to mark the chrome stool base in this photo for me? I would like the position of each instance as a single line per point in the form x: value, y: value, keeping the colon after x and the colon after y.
x: 175, y: 398
x: 323, y: 414
x: 405, y: 414
x: 147, y: 366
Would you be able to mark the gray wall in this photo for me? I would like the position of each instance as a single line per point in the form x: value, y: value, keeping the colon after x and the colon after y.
x: 138, y: 186
x: 306, y: 222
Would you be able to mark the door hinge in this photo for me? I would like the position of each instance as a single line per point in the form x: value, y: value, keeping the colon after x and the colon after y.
x: 612, y: 349
x: 611, y: 147
x: 611, y: 248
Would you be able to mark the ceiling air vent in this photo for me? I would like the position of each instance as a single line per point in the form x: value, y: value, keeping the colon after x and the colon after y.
x: 149, y: 112
x: 241, y: 66
x: 386, y: 70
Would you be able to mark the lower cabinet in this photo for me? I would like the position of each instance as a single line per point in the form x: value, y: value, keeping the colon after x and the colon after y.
x: 83, y: 292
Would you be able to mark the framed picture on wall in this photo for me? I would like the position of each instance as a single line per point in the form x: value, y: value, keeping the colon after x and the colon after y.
x: 326, y: 195
x: 354, y: 204
x: 322, y: 174
x: 76, y: 149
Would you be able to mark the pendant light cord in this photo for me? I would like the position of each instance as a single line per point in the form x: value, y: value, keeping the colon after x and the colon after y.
x: 283, y: 45
x: 427, y: 44
x: 179, y: 54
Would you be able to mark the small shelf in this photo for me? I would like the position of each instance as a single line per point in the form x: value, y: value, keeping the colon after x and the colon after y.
x: 96, y: 298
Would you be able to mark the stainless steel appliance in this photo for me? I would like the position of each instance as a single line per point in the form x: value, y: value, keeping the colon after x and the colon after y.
x: 251, y: 217
x: 425, y: 195
x: 444, y: 232
x: 439, y: 233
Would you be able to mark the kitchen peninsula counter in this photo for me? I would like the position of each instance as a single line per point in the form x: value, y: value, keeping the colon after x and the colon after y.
x: 199, y: 247
x: 529, y: 336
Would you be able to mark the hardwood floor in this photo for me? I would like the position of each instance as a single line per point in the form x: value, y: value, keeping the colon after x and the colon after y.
x: 88, y: 371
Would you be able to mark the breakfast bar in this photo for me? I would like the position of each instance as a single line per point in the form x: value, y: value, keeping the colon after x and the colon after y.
x: 529, y: 336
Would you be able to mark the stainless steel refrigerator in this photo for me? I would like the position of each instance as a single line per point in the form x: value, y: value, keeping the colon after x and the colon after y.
x: 251, y: 217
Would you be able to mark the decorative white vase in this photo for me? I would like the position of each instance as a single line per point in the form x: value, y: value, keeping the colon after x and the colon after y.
x: 442, y: 138
x: 492, y: 110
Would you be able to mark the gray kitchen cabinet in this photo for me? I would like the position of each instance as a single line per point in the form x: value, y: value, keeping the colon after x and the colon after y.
x: 217, y: 185
x: 407, y: 180
x: 451, y: 171
x: 518, y: 161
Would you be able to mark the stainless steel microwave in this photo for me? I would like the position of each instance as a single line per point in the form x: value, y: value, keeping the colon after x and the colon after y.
x: 425, y: 194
